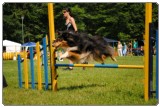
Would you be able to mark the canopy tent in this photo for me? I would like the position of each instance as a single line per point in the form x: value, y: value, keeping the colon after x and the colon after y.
x: 11, y: 46
x: 29, y: 44
x: 26, y: 46
x: 110, y: 41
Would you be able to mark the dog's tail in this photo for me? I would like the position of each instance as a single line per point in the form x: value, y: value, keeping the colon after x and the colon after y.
x: 113, y: 58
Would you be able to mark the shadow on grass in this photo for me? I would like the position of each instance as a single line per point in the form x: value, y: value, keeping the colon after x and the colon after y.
x: 80, y: 87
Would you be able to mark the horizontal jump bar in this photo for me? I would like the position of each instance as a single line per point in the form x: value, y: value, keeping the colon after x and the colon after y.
x: 102, y: 66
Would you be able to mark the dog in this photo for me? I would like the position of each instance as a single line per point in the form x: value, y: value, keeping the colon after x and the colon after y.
x: 82, y: 48
x: 71, y: 53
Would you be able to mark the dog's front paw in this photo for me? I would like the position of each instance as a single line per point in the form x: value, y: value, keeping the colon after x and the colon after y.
x: 60, y: 59
x: 103, y: 63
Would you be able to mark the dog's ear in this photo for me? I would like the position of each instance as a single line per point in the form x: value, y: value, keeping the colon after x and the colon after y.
x: 54, y: 41
x: 59, y: 32
x: 66, y: 32
x: 60, y: 39
x: 71, y: 32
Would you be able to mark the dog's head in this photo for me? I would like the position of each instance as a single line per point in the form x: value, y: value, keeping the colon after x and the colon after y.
x: 70, y: 37
x: 59, y: 43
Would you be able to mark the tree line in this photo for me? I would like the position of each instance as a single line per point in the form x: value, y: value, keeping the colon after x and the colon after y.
x: 120, y: 21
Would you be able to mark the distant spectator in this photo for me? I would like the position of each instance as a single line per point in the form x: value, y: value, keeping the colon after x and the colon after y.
x: 130, y: 47
x: 135, y: 47
x: 135, y: 44
x: 42, y: 55
x: 124, y: 49
x: 119, y: 49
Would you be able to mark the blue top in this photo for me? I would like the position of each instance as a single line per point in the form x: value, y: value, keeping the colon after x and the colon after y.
x: 124, y: 47
x: 135, y: 44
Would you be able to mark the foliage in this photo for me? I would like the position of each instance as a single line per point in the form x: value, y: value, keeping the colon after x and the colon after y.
x: 124, y: 37
x: 35, y: 21
x: 104, y: 19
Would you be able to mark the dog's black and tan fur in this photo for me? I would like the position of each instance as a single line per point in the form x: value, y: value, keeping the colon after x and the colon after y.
x: 81, y: 48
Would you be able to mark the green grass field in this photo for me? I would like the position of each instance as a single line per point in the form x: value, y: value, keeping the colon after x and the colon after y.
x: 93, y: 86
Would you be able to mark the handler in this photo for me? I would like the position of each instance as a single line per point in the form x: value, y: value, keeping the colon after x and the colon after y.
x: 70, y: 25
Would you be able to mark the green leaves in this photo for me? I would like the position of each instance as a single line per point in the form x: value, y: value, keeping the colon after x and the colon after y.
x: 124, y: 37
x: 35, y: 20
x: 105, y: 19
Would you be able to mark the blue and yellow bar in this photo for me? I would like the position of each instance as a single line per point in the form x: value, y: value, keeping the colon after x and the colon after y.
x: 102, y: 66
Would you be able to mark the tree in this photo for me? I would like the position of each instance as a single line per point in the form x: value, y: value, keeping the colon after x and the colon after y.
x: 111, y: 20
x: 35, y: 21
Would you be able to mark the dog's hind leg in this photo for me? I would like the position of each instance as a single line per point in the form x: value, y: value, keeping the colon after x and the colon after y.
x: 84, y: 57
x: 103, y: 57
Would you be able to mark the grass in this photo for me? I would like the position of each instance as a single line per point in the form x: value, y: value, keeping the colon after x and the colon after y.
x: 93, y: 86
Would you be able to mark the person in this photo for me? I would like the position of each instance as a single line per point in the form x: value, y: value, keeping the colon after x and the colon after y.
x: 42, y: 55
x: 119, y: 48
x: 135, y: 47
x: 135, y: 44
x: 130, y: 48
x: 124, y: 49
x: 70, y: 22
x: 70, y: 25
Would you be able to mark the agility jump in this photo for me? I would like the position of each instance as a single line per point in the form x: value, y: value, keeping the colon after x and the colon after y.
x: 39, y: 71
x: 54, y: 66
x: 148, y: 91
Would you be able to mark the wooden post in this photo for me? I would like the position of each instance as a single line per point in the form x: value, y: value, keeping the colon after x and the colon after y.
x: 19, y: 72
x: 25, y: 69
x: 45, y: 63
x: 39, y: 66
x: 148, y: 19
x: 32, y: 67
x: 52, y: 50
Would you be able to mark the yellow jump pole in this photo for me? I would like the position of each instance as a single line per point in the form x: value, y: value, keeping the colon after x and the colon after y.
x: 47, y: 49
x: 148, y: 19
x: 39, y: 66
x: 52, y: 50
x: 25, y: 69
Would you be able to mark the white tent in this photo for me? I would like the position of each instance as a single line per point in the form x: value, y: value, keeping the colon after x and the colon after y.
x: 11, y: 46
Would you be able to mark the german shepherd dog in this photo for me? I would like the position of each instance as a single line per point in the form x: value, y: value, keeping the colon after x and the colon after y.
x: 82, y: 48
